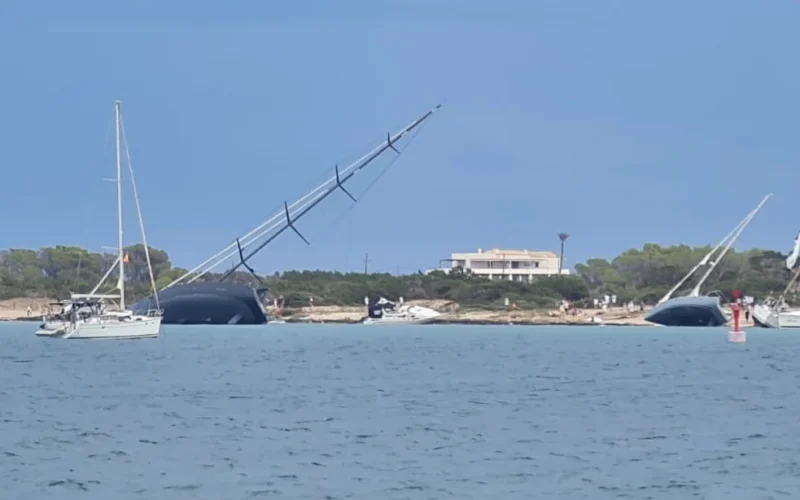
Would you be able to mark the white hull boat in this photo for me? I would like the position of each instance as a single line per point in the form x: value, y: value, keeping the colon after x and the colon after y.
x: 383, y: 312
x: 135, y: 327
x: 695, y: 309
x: 768, y: 317
x: 88, y: 316
x: 775, y: 313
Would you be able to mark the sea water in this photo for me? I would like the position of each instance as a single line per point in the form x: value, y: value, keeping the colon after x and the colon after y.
x: 405, y: 412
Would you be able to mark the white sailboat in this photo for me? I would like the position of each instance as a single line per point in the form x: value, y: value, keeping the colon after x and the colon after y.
x: 93, y: 315
x: 776, y: 313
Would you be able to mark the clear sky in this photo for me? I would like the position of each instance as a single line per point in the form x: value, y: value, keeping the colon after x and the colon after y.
x: 619, y: 122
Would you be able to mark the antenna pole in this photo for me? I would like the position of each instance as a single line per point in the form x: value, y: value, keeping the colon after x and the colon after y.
x: 367, y: 260
x: 121, y: 284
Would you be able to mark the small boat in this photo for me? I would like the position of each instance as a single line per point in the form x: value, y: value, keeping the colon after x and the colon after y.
x: 385, y: 312
x: 695, y: 309
x: 94, y: 315
x: 776, y: 313
x: 774, y: 316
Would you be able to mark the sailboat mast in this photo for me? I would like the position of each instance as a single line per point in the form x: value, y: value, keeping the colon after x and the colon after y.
x: 696, y: 291
x: 121, y: 284
x: 703, y: 261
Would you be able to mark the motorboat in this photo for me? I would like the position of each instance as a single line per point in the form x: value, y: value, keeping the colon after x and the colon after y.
x: 386, y: 312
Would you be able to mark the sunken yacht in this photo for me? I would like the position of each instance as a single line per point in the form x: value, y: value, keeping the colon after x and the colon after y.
x: 192, y: 299
x: 695, y: 309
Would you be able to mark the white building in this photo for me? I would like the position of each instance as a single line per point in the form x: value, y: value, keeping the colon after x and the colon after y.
x: 512, y: 265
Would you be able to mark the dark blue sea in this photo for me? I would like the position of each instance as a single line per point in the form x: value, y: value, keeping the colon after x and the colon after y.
x: 433, y: 412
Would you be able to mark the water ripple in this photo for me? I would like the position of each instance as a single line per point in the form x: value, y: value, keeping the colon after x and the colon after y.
x: 440, y: 412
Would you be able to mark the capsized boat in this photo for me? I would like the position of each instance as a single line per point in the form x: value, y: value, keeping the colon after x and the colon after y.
x: 774, y: 313
x: 385, y: 312
x: 209, y: 303
x: 695, y: 309
x: 94, y: 315
x: 191, y: 300
x: 776, y: 316
x: 701, y: 310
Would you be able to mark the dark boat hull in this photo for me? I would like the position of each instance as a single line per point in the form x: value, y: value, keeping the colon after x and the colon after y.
x: 208, y: 304
x: 688, y: 311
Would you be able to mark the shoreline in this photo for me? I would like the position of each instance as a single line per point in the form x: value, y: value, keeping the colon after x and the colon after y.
x: 451, y: 314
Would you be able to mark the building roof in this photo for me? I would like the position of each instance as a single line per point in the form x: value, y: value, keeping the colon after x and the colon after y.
x: 521, y: 254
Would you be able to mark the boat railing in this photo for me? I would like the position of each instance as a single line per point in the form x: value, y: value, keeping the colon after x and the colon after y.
x: 154, y: 313
x: 718, y: 293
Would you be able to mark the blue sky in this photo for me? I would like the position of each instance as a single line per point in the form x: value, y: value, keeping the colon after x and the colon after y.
x: 618, y: 122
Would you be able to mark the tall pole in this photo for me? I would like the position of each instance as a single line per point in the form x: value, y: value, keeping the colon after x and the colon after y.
x: 366, y: 263
x: 563, y: 237
x: 121, y: 284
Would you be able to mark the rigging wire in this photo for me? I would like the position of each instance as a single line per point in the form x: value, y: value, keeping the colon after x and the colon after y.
x: 300, y: 206
x: 139, y: 212
x: 385, y: 169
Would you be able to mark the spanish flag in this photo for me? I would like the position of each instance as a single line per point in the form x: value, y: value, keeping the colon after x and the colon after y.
x: 126, y: 259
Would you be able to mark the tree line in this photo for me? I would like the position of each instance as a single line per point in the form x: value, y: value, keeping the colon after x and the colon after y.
x: 639, y: 275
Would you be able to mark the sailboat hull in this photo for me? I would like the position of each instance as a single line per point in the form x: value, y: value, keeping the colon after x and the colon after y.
x: 768, y: 318
x: 688, y: 311
x: 98, y: 329
x: 208, y: 304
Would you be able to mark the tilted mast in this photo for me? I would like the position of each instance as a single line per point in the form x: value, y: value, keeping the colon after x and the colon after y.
x: 730, y: 238
x: 696, y: 290
x: 702, y: 262
x: 286, y: 218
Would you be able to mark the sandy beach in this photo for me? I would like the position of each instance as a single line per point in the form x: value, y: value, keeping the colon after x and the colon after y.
x: 23, y: 308
x: 452, y: 313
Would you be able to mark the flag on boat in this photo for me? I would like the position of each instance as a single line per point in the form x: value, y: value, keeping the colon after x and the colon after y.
x: 791, y: 260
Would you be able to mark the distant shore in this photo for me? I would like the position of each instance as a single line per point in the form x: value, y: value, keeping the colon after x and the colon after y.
x: 451, y: 314
x: 454, y: 315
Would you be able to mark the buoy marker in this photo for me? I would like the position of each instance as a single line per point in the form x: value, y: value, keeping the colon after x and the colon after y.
x: 737, y: 336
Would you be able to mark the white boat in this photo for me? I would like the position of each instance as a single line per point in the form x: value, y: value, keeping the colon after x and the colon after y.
x: 774, y: 316
x: 776, y: 313
x: 383, y: 312
x: 94, y: 315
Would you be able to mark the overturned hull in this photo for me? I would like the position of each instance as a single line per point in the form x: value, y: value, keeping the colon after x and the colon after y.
x: 688, y: 311
x: 208, y: 304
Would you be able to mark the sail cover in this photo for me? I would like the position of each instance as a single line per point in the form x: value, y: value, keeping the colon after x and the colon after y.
x: 791, y: 260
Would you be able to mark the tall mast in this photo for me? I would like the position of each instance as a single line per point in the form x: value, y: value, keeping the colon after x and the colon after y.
x: 704, y: 260
x: 121, y: 283
x: 284, y: 220
x: 696, y: 291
